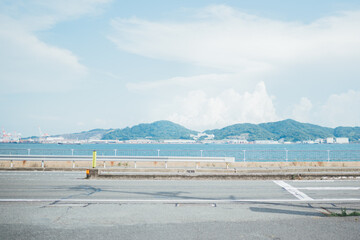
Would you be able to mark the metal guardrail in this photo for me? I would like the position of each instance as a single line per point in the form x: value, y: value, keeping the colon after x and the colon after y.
x: 250, y: 155
x: 105, y: 159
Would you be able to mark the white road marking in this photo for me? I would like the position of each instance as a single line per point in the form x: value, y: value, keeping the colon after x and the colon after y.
x: 329, y: 188
x: 328, y: 200
x: 307, y: 181
x: 294, y: 191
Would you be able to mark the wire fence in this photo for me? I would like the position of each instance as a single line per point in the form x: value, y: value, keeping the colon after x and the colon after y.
x: 239, y: 155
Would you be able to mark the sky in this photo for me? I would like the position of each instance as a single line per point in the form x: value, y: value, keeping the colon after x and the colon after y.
x: 70, y: 66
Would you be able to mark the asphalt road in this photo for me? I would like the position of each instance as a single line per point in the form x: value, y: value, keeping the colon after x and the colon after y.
x: 64, y: 205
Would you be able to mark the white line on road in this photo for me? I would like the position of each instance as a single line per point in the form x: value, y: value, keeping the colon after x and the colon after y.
x: 294, y: 191
x: 322, y: 180
x: 329, y: 200
x: 329, y: 188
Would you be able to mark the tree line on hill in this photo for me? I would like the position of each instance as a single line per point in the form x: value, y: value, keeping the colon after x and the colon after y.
x: 287, y: 130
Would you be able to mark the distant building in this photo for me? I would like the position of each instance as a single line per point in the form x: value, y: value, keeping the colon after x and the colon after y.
x: 139, y: 141
x: 203, y: 136
x: 53, y: 139
x: 98, y: 141
x: 243, y: 136
x: 342, y: 140
x: 236, y: 141
x: 319, y: 140
x: 213, y: 141
x: 329, y: 140
x: 265, y: 142
x: 179, y: 141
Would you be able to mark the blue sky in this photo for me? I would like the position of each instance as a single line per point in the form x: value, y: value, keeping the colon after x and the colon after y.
x: 69, y: 66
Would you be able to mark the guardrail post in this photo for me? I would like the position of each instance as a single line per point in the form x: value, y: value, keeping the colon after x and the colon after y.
x: 73, y: 163
x: 328, y: 151
x: 158, y: 152
x: 227, y: 165
x: 94, y: 159
x: 244, y: 155
x: 104, y: 165
x: 201, y: 153
x: 28, y: 151
x: 115, y: 153
x: 72, y: 152
x: 11, y: 164
x: 42, y: 163
x: 165, y: 164
x: 134, y: 164
x: 197, y: 165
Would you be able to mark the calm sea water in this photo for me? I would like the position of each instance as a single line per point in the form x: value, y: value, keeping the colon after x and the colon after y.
x: 241, y: 152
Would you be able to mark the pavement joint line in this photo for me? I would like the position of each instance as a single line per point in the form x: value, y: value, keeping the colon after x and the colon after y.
x: 324, y: 200
x: 321, y: 210
x: 294, y: 191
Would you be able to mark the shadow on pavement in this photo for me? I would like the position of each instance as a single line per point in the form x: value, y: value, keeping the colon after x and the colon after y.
x: 282, y: 211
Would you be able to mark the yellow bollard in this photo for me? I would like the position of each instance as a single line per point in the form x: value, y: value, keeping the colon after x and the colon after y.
x: 94, y: 159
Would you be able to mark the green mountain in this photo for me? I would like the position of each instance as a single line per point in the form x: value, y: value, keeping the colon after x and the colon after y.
x: 254, y: 132
x: 353, y: 133
x: 92, y: 134
x: 289, y: 130
x: 156, y: 130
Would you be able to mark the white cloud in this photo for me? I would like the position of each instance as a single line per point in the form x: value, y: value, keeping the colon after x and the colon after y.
x: 28, y: 64
x: 292, y: 58
x: 342, y: 109
x: 227, y: 39
x: 73, y: 8
x: 302, y: 110
x: 209, y: 83
x: 200, y: 111
x: 42, y: 14
x: 337, y: 110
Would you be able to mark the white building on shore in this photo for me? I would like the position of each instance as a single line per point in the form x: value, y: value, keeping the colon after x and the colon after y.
x: 204, y: 136
x: 265, y: 142
x: 342, y: 140
x: 179, y: 141
x: 236, y: 141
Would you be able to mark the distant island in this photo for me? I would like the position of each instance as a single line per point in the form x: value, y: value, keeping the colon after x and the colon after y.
x: 286, y: 131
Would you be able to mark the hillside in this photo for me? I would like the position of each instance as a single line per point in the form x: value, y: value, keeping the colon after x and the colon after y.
x: 156, y: 130
x: 289, y: 130
x: 255, y: 132
x: 353, y: 133
x: 92, y: 134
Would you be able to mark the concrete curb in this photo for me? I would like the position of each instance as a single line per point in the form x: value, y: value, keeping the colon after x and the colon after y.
x: 196, y: 175
x: 285, y: 173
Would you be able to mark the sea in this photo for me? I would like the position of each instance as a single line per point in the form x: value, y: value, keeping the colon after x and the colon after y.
x: 241, y: 152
